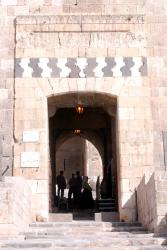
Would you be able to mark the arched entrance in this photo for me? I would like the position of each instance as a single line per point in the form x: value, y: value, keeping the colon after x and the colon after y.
x: 79, y: 154
x: 97, y: 124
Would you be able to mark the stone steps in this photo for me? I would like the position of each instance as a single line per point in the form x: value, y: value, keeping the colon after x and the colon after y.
x: 96, y: 234
x: 151, y: 247
x: 88, y: 235
x: 111, y: 247
x: 83, y: 243
x: 84, y: 223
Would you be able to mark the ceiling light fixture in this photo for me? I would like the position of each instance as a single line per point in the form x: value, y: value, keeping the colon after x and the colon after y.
x: 77, y: 131
x: 79, y: 109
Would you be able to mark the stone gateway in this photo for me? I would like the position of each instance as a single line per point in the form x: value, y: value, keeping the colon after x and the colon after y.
x: 110, y: 58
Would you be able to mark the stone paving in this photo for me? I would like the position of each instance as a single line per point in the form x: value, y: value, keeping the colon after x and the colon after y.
x: 79, y: 235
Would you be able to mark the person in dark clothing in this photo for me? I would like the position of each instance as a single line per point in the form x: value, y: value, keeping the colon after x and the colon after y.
x: 61, y: 183
x: 78, y: 187
x: 87, y: 201
x: 71, y: 192
x: 103, y: 188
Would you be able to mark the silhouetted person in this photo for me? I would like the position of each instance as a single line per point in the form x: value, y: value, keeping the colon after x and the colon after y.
x: 98, y: 188
x: 78, y: 187
x: 103, y: 188
x: 61, y: 183
x: 87, y: 201
x: 72, y: 186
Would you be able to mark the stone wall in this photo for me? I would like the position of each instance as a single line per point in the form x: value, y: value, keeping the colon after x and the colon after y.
x: 10, y: 9
x: 135, y: 30
x: 161, y: 195
x: 84, y: 41
x: 73, y: 152
x: 94, y: 164
x: 15, y: 206
x: 146, y: 202
x: 151, y: 202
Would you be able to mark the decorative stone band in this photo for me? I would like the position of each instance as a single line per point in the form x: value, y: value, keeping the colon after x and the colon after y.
x: 81, y: 67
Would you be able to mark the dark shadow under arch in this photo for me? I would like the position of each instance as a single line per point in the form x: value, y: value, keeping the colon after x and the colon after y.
x: 97, y: 124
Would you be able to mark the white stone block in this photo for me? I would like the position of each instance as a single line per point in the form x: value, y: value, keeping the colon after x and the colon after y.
x: 30, y: 159
x: 57, y: 2
x: 33, y: 184
x: 8, y: 2
x: 30, y: 136
x: 3, y: 94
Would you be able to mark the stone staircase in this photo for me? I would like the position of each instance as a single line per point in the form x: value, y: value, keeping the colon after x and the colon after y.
x: 81, y: 235
x: 107, y: 205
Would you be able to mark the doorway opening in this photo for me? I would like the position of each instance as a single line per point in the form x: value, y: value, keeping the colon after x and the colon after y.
x: 91, y: 150
x: 79, y: 154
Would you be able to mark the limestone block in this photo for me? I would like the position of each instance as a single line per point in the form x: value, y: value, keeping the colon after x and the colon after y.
x: 111, y: 52
x: 30, y: 136
x: 30, y: 159
x: 28, y: 92
x: 40, y: 202
x: 38, y: 52
x: 128, y: 215
x: 19, y: 10
x: 65, y: 52
x: 127, y: 200
x: 42, y: 186
x: 60, y: 217
x: 162, y: 197
x: 93, y: 52
x: 73, y: 84
x: 106, y: 85
x: 91, y: 8
x: 127, y: 52
x: 128, y: 171
x: 38, y: 2
x: 57, y: 2
x: 40, y: 215
x: 81, y: 52
x: 46, y: 85
x: 99, y: 84
x: 33, y: 184
x: 125, y: 185
x: 134, y: 83
x: 161, y: 209
x: 126, y: 113
x: 139, y: 91
x: 81, y: 82
x: 18, y: 205
x: 162, y: 186
x: 90, y: 84
x: 7, y: 230
x: 6, y: 149
x: 4, y: 94
x: 54, y: 84
x: 8, y: 2
x: 117, y: 84
x: 107, y: 216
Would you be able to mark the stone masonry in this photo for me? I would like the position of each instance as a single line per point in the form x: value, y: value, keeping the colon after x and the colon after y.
x: 46, y: 47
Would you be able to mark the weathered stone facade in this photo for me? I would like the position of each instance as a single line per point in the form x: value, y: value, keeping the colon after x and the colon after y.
x: 116, y: 49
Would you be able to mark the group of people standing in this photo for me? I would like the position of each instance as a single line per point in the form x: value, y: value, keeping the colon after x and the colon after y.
x: 79, y: 193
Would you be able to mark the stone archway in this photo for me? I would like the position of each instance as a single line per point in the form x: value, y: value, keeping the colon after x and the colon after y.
x: 78, y: 154
x: 98, y: 125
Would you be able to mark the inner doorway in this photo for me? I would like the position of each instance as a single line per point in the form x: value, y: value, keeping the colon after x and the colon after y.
x: 95, y: 127
x: 79, y: 154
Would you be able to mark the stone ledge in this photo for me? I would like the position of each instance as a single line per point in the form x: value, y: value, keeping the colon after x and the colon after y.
x: 90, y: 27
x: 57, y: 217
x: 79, y: 19
x: 107, y: 216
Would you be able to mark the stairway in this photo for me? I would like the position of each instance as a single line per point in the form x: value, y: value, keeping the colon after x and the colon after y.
x: 107, y: 205
x: 82, y: 235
